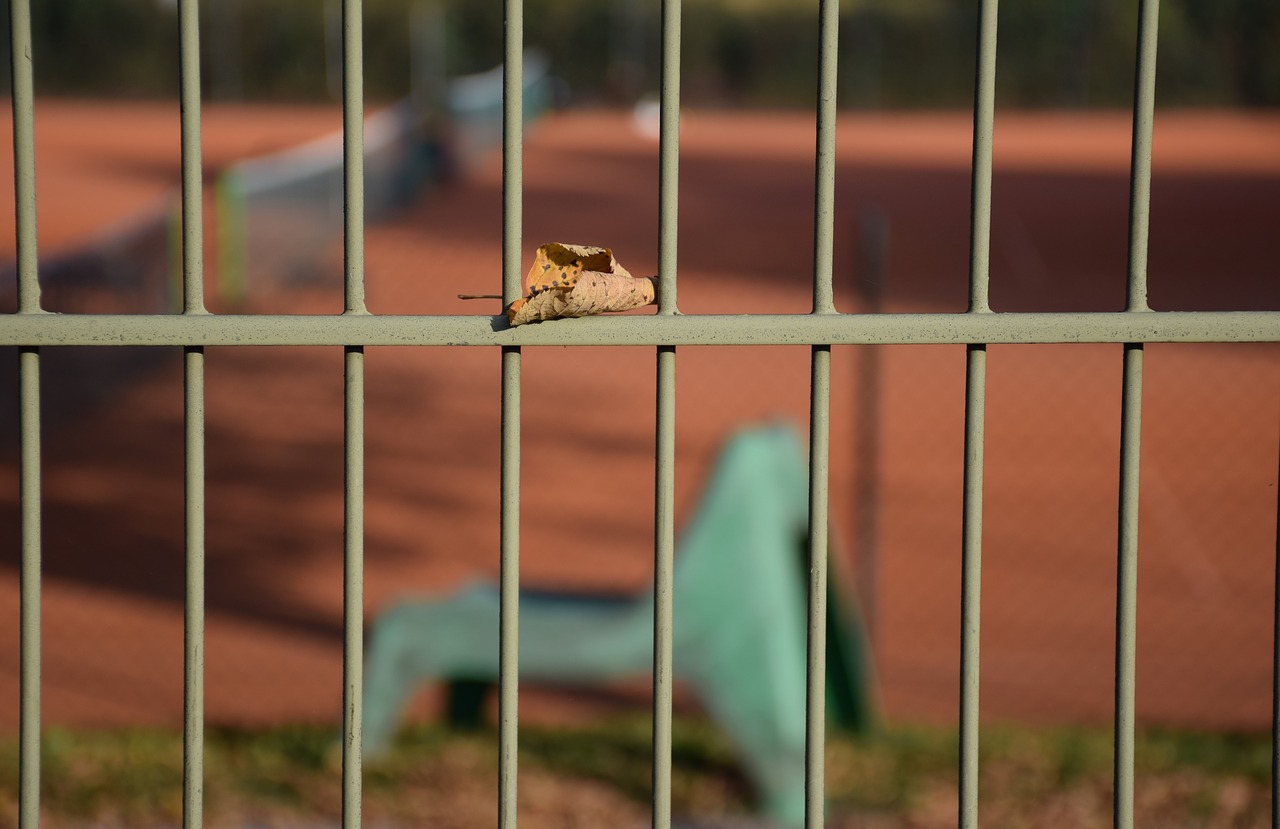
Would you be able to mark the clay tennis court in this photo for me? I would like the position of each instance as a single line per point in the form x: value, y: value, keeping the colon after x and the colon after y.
x: 113, y: 529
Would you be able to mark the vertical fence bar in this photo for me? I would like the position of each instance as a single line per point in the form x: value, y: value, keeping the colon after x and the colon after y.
x: 1127, y: 585
x: 983, y: 137
x: 509, y: 521
x: 1144, y: 97
x: 819, y: 421
x: 353, y: 414
x: 971, y: 580
x: 669, y: 157
x: 975, y: 414
x: 664, y: 579
x: 24, y: 154
x: 24, y: 168
x: 512, y: 148
x: 509, y: 618
x: 193, y: 419
x: 193, y: 614
x: 1131, y: 416
x: 664, y: 453
x: 353, y: 154
x: 29, y: 727
x: 192, y: 163
x: 825, y: 166
x: 353, y: 586
x: 816, y: 648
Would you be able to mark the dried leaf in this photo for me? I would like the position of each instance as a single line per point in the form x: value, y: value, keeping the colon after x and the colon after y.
x: 557, y: 265
x: 578, y: 281
x: 594, y: 293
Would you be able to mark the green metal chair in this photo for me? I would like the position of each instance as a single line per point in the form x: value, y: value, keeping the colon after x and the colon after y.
x: 739, y: 640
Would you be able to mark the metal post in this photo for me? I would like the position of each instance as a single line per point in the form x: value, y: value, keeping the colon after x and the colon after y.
x: 24, y: 154
x: 971, y: 580
x: 509, y: 608
x: 193, y: 419
x: 29, y: 699
x: 192, y: 172
x: 1144, y: 96
x: 663, y: 583
x: 825, y: 165
x: 193, y: 614
x: 669, y: 157
x: 816, y: 650
x: 353, y: 587
x: 1131, y: 416
x: 509, y: 543
x: 664, y: 460
x: 983, y: 134
x: 975, y: 414
x: 353, y: 154
x: 24, y: 168
x: 819, y: 420
x: 353, y: 413
x: 1127, y: 585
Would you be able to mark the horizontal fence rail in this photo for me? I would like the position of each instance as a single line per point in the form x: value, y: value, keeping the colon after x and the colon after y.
x: 695, y: 329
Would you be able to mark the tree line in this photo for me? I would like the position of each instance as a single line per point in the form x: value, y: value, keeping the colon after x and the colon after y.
x: 894, y: 53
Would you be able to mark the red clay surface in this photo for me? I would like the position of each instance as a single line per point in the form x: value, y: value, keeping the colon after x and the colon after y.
x: 113, y: 495
x: 98, y: 164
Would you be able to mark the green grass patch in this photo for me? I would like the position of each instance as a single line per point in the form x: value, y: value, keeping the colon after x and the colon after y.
x: 292, y: 774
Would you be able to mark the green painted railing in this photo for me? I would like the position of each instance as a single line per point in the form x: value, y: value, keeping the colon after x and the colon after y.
x: 30, y: 329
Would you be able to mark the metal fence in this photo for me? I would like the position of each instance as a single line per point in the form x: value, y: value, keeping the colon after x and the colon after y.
x: 31, y: 328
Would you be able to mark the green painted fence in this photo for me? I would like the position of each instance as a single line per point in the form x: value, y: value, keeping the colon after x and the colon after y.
x: 31, y: 329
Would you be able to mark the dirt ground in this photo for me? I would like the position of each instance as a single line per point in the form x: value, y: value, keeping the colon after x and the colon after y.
x: 112, y: 477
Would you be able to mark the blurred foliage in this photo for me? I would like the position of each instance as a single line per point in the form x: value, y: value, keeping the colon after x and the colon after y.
x: 735, y: 52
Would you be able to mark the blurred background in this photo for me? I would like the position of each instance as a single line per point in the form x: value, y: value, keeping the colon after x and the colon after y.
x: 903, y: 54
x: 107, y: 169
